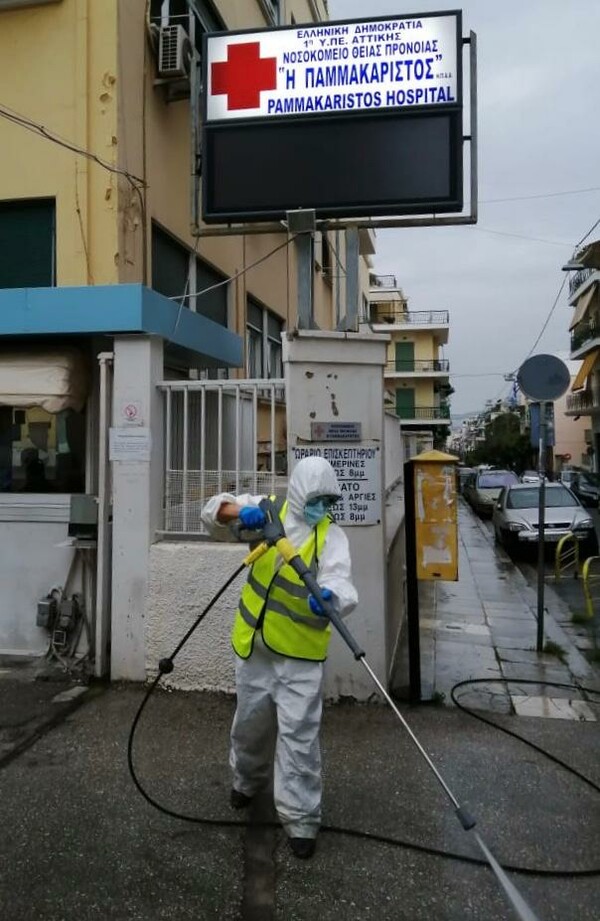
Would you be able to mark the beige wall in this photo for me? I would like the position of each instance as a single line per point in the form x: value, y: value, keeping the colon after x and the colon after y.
x: 93, y: 84
x: 155, y: 143
x: 569, y: 435
x: 426, y: 345
x: 57, y: 68
x: 423, y: 390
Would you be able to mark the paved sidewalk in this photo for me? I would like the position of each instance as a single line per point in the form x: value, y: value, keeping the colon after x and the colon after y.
x: 485, y: 626
x: 77, y: 842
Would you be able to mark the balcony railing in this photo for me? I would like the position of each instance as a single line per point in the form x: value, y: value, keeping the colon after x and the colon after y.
x: 578, y: 278
x: 383, y: 281
x: 387, y: 313
x: 580, y: 403
x: 417, y: 366
x: 423, y: 413
x: 584, y: 332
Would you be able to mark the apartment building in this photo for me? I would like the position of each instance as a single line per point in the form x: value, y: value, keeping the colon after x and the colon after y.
x: 417, y: 376
x: 110, y: 283
x: 584, y: 297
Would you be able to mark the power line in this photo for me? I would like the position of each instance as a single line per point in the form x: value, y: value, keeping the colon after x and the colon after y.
x: 135, y: 182
x: 520, y: 236
x: 183, y: 297
x: 494, y: 201
x: 557, y: 298
x: 591, y: 230
x: 176, y: 297
x: 44, y: 132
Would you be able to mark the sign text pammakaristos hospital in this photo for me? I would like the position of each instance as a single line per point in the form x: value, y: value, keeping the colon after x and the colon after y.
x: 348, y: 118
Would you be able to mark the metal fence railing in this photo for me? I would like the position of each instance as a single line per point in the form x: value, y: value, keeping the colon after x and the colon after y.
x: 417, y: 366
x: 566, y: 557
x: 398, y: 315
x: 220, y: 436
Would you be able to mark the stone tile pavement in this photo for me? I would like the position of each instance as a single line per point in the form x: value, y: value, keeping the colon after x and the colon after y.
x: 485, y: 627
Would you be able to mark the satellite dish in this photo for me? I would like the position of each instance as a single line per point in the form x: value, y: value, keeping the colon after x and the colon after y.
x: 543, y: 377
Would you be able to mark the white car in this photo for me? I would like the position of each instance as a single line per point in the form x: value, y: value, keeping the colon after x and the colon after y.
x: 516, y: 518
x: 530, y: 476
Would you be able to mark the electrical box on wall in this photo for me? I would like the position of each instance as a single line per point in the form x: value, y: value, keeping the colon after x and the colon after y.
x: 83, y: 517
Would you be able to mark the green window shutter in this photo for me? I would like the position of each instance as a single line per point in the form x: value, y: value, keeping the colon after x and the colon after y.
x: 405, y: 403
x: 27, y: 244
x: 405, y: 356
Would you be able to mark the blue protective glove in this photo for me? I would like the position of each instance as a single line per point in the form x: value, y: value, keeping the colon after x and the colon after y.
x: 252, y: 518
x: 314, y: 604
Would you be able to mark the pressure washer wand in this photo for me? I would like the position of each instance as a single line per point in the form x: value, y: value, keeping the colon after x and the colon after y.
x: 300, y: 567
x: 293, y: 559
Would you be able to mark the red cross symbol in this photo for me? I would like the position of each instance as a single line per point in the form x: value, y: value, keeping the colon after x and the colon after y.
x: 244, y: 76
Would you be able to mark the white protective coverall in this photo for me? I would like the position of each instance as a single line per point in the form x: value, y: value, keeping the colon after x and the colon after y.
x: 279, y: 696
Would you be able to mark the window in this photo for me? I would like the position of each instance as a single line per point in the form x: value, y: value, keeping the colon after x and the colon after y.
x: 41, y: 452
x: 213, y: 304
x: 170, y: 264
x: 263, y: 342
x: 27, y: 244
x: 173, y: 264
x: 272, y: 10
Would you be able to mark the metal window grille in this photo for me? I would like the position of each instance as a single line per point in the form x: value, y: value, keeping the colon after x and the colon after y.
x: 220, y: 436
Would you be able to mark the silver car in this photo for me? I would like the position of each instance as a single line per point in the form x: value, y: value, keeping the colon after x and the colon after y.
x: 482, y: 489
x: 515, y: 518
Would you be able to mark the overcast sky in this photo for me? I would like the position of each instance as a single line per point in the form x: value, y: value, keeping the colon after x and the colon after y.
x: 539, y: 133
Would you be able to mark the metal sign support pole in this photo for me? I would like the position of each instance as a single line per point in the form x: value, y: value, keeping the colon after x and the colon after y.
x: 302, y: 223
x: 352, y: 292
x: 541, y: 526
x: 412, y: 585
x: 304, y: 254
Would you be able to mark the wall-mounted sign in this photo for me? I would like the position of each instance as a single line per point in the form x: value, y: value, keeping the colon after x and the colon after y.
x: 131, y: 444
x: 335, y: 431
x: 131, y: 413
x: 380, y: 100
x: 333, y: 67
x: 358, y: 469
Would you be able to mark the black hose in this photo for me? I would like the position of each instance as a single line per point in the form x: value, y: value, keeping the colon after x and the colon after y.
x: 166, y: 666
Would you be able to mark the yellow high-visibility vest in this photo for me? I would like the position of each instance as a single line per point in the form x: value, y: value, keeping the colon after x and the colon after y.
x: 275, y: 601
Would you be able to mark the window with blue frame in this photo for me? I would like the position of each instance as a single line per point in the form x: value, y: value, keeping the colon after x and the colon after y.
x: 28, y: 243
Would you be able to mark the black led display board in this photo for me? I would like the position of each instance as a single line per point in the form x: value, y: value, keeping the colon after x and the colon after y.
x: 348, y: 118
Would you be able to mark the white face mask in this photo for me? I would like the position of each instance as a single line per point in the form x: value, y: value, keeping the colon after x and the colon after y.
x: 315, y: 511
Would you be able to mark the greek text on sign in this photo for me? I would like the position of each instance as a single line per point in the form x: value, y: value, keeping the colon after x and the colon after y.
x: 336, y: 431
x: 336, y: 67
x: 358, y: 469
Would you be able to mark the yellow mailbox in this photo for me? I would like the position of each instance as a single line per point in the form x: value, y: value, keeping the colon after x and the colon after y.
x: 436, y: 516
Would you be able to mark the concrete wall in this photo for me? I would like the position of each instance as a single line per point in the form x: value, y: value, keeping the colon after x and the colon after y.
x: 183, y: 579
x: 394, y: 450
x: 339, y: 377
x: 32, y: 562
x: 137, y: 501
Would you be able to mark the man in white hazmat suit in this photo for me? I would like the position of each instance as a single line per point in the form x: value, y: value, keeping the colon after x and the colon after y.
x: 280, y: 636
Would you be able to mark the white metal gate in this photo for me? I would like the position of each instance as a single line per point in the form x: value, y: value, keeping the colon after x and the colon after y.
x: 220, y: 436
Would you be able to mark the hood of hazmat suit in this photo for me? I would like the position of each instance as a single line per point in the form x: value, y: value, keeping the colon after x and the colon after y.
x: 311, y: 477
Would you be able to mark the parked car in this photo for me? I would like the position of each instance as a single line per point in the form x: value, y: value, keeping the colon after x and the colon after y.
x: 463, y: 474
x: 586, y: 487
x: 530, y: 476
x: 516, y: 518
x: 482, y: 489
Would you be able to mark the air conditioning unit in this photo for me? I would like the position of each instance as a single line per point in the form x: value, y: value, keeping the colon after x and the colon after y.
x: 174, y: 52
